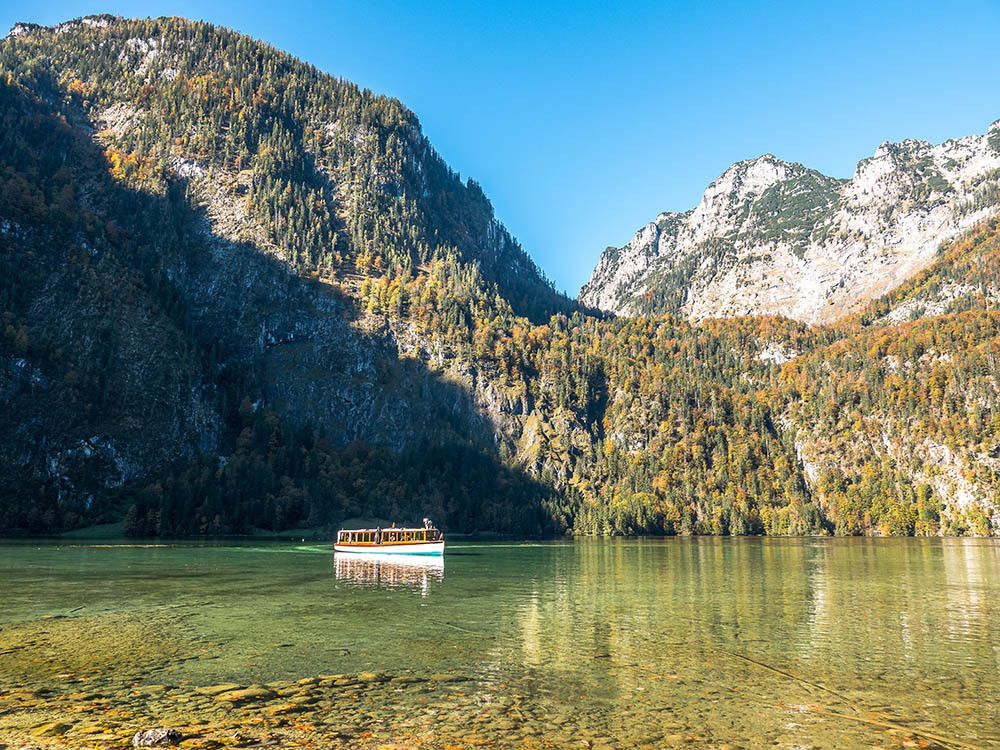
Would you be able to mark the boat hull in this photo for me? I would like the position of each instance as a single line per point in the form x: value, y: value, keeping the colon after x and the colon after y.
x: 412, y: 548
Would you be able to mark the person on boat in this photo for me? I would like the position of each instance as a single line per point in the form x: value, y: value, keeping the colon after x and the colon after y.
x: 378, y: 535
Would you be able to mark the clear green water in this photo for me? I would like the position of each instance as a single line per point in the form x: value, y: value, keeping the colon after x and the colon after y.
x: 789, y: 642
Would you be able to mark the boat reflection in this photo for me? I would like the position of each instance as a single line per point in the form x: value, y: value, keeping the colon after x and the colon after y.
x: 390, y: 571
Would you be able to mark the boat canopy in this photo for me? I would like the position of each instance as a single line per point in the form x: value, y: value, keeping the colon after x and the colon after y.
x: 392, y: 535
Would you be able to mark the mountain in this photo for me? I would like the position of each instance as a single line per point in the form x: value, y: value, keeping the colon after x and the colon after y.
x: 187, y: 213
x: 769, y: 237
x: 239, y: 294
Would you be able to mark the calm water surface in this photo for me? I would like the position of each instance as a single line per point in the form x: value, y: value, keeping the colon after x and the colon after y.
x: 790, y: 642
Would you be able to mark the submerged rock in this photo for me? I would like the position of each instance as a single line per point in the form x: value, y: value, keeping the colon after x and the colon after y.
x: 217, y: 689
x: 202, y: 743
x: 252, y: 693
x: 156, y: 738
x: 286, y: 708
x: 53, y: 729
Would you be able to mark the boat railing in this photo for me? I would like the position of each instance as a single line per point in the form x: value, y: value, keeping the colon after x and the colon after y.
x: 393, y: 535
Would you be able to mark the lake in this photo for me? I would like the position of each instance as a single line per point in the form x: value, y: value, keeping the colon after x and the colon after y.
x: 589, y: 643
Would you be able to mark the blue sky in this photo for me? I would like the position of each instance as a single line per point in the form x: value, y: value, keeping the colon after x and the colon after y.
x: 582, y: 121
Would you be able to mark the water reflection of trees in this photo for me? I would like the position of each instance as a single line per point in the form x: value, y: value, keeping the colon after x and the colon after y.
x: 799, y: 600
x: 889, y: 622
x: 390, y: 571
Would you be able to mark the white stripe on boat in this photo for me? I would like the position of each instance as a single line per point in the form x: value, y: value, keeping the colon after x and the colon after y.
x: 409, y: 548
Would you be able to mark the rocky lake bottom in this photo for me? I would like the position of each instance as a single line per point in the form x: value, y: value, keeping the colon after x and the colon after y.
x: 590, y: 644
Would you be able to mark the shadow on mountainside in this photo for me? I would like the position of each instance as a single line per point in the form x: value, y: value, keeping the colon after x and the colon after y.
x: 152, y: 369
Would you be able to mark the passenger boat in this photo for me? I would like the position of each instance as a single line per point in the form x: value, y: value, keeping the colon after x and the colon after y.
x: 392, y: 541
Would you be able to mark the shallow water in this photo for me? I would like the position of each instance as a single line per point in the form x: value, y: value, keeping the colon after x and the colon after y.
x: 784, y: 642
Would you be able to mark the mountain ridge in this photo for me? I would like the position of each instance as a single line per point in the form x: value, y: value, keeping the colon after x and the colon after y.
x: 795, y: 242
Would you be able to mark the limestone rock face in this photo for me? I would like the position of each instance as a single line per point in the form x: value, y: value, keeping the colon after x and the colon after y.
x: 769, y: 237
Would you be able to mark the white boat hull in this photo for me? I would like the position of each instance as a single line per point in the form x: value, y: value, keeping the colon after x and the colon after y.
x: 413, y: 548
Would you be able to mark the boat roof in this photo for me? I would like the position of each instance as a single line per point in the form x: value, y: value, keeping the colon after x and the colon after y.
x: 396, y: 528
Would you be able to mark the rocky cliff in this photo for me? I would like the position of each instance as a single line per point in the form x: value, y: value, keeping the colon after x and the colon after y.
x: 769, y: 237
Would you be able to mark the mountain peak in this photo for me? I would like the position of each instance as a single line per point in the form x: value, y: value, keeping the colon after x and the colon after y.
x: 750, y: 177
x: 410, y: 179
x: 773, y: 237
